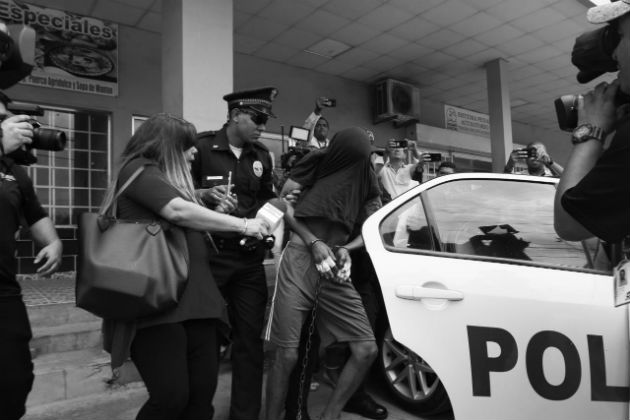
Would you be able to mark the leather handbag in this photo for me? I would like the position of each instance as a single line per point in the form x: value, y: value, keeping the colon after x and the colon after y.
x: 129, y: 269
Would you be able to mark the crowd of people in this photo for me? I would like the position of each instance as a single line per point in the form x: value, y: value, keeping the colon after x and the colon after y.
x: 213, y: 185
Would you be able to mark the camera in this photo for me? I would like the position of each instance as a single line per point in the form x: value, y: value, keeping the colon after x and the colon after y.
x: 431, y: 157
x: 17, y: 54
x: 531, y: 152
x: 592, y: 55
x: 43, y: 138
x: 567, y: 109
x: 398, y: 144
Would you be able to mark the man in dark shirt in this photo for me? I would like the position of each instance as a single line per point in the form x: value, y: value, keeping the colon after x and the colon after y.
x: 18, y: 202
x: 234, y: 155
x: 593, y: 196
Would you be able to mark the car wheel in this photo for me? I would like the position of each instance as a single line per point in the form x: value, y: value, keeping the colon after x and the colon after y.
x: 410, y: 380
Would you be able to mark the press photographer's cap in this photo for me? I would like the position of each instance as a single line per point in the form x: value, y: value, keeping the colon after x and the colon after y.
x: 609, y: 11
x: 257, y: 99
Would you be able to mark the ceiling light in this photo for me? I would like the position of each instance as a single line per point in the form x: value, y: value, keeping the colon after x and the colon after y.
x: 328, y: 48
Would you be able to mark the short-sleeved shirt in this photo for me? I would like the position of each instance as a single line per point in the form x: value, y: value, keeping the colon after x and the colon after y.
x: 395, y: 181
x: 251, y: 172
x: 309, y: 124
x: 143, y: 200
x: 601, y: 200
x: 15, y: 204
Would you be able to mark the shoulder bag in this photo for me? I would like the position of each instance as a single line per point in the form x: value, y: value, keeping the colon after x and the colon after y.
x: 129, y: 269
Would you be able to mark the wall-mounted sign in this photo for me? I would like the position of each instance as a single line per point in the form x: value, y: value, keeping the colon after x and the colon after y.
x: 72, y: 52
x: 466, y: 121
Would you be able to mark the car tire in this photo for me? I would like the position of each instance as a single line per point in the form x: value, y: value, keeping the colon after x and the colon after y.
x: 409, y: 379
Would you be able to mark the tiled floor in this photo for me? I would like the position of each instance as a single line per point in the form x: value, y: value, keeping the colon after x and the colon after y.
x: 59, y: 288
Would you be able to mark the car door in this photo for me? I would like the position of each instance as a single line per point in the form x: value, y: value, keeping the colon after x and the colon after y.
x: 517, y: 323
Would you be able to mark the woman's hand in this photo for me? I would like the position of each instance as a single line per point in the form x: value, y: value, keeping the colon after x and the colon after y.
x: 325, y: 261
x: 257, y: 228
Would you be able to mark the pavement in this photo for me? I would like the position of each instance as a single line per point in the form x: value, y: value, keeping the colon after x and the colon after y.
x: 123, y: 403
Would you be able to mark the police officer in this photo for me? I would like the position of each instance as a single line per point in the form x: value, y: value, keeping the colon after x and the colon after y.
x: 239, y: 270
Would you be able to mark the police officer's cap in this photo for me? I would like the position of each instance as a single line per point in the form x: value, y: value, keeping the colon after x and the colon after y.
x: 258, y: 100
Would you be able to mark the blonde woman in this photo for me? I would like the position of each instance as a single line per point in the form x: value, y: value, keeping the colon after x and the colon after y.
x: 176, y: 352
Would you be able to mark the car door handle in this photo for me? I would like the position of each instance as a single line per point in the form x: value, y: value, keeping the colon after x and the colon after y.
x: 418, y: 293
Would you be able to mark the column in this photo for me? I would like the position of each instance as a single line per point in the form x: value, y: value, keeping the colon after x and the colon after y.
x: 197, y: 60
x: 500, y: 113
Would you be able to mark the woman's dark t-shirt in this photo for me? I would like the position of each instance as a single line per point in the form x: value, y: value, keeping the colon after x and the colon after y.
x: 143, y: 200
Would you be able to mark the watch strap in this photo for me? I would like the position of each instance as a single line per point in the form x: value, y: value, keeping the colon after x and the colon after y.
x: 596, y: 133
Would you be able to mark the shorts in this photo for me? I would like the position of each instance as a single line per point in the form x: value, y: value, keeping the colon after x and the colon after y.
x: 340, y: 310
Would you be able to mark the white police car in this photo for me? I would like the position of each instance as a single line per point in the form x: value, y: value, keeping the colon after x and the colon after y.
x: 502, y: 317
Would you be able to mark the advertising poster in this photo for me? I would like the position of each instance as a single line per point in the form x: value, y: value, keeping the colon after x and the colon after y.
x: 72, y: 52
x: 466, y: 121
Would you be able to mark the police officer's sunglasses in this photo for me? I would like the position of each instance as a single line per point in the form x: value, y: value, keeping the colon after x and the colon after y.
x: 257, y: 118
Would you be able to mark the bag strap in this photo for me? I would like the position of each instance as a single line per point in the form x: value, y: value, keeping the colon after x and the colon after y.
x: 114, y: 202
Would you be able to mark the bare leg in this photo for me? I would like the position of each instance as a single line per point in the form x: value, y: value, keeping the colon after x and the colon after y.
x: 362, y: 355
x: 278, y: 380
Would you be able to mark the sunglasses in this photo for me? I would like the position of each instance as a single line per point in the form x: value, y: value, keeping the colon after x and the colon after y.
x: 257, y: 118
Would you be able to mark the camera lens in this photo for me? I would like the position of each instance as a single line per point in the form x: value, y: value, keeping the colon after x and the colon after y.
x: 48, y: 139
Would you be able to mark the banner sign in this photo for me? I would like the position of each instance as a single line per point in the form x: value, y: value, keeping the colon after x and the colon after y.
x: 466, y: 121
x: 72, y: 52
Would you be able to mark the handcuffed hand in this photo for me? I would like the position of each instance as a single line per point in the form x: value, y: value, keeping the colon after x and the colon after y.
x: 16, y: 132
x: 344, y: 264
x: 325, y: 261
x: 51, y: 254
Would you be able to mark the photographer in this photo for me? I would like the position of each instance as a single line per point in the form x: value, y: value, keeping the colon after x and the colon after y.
x: 18, y: 203
x: 538, y: 161
x: 318, y: 125
x: 593, y: 196
x: 397, y: 176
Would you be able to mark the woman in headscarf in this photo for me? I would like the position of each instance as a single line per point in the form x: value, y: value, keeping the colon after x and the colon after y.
x: 337, y: 182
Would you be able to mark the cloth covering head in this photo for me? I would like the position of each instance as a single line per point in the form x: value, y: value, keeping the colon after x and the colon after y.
x: 609, y: 11
x: 337, y: 180
x: 258, y: 100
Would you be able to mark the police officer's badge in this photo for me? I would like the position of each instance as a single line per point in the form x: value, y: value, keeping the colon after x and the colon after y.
x: 258, y: 168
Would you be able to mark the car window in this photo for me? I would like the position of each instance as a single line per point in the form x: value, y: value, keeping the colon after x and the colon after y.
x: 407, y: 228
x: 493, y: 218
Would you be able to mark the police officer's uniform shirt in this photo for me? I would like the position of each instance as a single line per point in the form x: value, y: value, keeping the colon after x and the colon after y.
x: 13, y: 206
x: 251, y: 172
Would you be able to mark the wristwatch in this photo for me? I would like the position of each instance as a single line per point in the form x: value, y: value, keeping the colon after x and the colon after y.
x: 585, y: 132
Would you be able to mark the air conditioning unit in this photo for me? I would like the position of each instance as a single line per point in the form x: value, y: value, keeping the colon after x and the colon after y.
x: 396, y: 101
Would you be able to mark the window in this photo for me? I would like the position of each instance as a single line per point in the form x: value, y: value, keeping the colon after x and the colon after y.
x: 74, y: 180
x: 491, y: 219
x: 407, y: 228
x: 502, y: 219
